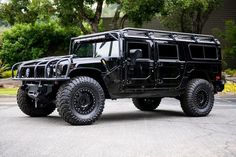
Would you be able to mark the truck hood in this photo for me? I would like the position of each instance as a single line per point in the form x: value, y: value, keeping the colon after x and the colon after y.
x: 78, y: 61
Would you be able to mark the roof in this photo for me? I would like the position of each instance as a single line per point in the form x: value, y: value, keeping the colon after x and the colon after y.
x: 150, y: 33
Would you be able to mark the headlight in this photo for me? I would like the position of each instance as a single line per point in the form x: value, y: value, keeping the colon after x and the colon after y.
x: 59, y: 69
x: 48, y: 71
x: 27, y: 72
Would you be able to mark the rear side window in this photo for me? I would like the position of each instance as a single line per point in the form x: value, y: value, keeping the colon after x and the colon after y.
x: 203, y: 52
x: 167, y: 51
x: 210, y: 52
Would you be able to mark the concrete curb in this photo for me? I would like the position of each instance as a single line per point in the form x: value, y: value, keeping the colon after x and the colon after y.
x: 7, y: 96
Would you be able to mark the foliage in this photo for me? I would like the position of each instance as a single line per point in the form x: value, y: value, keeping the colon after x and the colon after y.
x: 142, y: 10
x: 25, y: 11
x: 231, y: 72
x: 81, y: 13
x: 135, y: 11
x: 187, y: 15
x: 230, y: 87
x: 229, y: 38
x: 31, y: 41
x: 8, y: 73
x: 3, y: 68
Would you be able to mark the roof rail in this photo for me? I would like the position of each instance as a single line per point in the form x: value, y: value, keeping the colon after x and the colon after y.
x: 151, y: 33
x: 172, y: 35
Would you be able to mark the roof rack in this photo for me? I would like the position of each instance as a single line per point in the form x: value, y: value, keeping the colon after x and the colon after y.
x: 160, y: 34
x: 150, y: 33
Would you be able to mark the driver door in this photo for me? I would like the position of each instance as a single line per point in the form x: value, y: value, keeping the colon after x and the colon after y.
x: 139, y: 71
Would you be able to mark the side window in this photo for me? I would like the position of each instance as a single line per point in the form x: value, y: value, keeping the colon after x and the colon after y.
x: 102, y: 49
x: 203, y: 52
x: 210, y: 52
x: 139, y: 45
x: 196, y: 51
x: 114, y: 50
x: 168, y: 51
x: 109, y: 48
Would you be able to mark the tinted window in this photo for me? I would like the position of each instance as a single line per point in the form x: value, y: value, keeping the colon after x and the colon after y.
x: 196, y: 51
x: 168, y: 52
x: 138, y: 45
x: 203, y: 52
x: 210, y: 52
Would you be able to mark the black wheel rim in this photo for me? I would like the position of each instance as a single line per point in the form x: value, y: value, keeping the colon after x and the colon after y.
x: 84, y: 101
x: 201, y: 99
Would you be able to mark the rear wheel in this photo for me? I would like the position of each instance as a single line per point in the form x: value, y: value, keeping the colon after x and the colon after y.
x: 80, y: 101
x: 198, y: 98
x: 146, y: 104
x: 27, y: 105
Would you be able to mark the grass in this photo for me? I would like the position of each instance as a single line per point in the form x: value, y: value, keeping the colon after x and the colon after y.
x: 8, y: 91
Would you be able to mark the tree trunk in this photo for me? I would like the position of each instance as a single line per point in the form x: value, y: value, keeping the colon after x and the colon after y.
x: 182, y: 23
x: 122, y: 21
x: 116, y: 18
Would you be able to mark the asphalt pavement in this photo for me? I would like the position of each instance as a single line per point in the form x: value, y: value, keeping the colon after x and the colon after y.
x: 122, y: 131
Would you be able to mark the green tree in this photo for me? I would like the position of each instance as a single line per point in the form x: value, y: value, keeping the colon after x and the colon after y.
x: 136, y: 11
x: 81, y: 13
x: 187, y: 15
x: 229, y: 39
x: 26, y: 11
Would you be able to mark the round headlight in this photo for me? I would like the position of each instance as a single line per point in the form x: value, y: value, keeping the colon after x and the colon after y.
x: 48, y: 71
x: 27, y: 72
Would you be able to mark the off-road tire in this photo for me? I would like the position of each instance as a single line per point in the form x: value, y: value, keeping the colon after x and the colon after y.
x: 146, y: 104
x: 80, y: 101
x: 198, y: 99
x: 27, y: 105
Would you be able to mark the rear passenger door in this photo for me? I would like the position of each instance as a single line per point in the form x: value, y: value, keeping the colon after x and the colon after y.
x: 169, y: 67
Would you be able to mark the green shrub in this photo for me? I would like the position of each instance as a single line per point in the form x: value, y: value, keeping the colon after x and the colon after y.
x: 8, y: 74
x: 231, y: 72
x: 31, y: 41
x: 228, y: 38
x: 3, y: 68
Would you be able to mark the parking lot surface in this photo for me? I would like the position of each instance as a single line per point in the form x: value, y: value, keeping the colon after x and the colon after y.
x: 122, y: 131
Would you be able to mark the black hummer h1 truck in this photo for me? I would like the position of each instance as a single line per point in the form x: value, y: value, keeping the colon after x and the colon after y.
x: 142, y: 64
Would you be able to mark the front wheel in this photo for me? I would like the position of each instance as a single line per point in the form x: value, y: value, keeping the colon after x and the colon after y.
x: 27, y: 105
x: 146, y: 104
x: 80, y: 101
x: 198, y: 98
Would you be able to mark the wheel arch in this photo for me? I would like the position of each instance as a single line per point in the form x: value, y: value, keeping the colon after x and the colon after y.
x: 200, y: 75
x: 93, y: 73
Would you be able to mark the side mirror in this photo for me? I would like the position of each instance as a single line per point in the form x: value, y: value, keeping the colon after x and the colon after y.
x: 134, y: 55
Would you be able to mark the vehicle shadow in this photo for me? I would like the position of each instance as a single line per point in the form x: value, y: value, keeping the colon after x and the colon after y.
x: 140, y: 115
x: 117, y: 117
